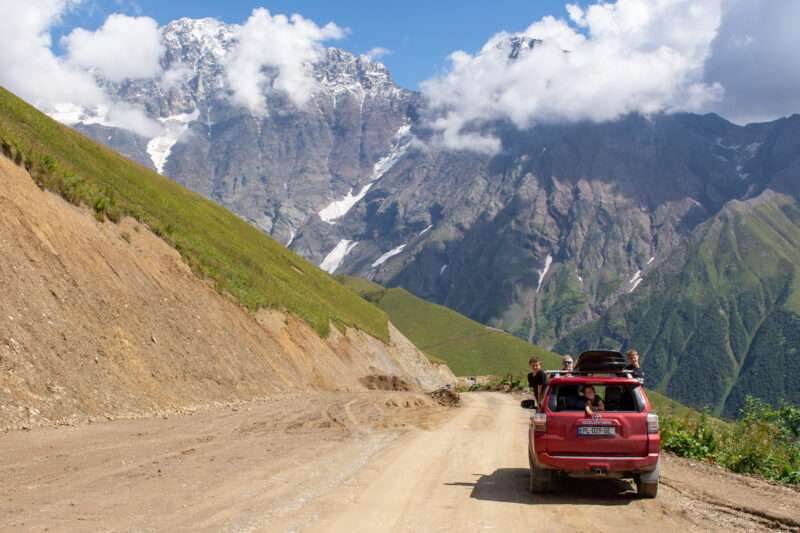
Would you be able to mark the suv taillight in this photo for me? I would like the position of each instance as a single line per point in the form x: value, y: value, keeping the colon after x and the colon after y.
x: 652, y: 423
x: 540, y: 422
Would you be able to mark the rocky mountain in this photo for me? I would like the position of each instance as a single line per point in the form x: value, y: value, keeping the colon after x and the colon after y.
x: 275, y: 168
x: 568, y: 224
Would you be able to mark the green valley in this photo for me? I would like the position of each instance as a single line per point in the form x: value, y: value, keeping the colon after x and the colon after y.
x: 468, y: 347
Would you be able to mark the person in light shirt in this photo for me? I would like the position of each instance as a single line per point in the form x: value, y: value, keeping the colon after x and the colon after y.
x: 567, y: 365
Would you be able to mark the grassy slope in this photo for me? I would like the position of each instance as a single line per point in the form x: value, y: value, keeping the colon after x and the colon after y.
x: 427, y: 324
x: 719, y: 320
x: 243, y: 261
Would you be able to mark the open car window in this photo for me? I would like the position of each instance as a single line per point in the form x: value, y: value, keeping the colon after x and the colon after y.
x: 617, y: 398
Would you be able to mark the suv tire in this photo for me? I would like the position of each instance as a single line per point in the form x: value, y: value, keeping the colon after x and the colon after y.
x: 541, y: 479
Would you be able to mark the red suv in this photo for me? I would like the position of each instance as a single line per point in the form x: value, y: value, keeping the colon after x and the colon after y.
x: 621, y: 441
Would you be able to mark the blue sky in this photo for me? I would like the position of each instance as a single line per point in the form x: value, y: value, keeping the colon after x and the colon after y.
x: 419, y: 34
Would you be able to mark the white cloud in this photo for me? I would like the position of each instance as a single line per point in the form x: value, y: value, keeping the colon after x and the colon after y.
x: 373, y: 54
x: 275, y: 52
x: 611, y: 59
x: 30, y: 69
x: 755, y: 56
x: 175, y: 76
x: 132, y: 117
x: 124, y: 47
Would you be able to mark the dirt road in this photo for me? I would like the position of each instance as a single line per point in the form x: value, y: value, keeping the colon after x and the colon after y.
x: 389, y: 461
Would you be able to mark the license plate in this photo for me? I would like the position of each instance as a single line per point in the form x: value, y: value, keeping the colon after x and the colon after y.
x: 597, y: 430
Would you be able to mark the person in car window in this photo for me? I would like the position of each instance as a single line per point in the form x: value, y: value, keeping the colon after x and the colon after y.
x: 570, y: 393
x: 537, y: 380
x: 592, y: 400
x: 633, y: 366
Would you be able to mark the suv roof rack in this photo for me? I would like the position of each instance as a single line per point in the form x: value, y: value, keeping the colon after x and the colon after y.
x: 600, y: 361
x: 588, y: 373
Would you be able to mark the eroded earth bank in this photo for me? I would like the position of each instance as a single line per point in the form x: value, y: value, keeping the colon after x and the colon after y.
x: 102, y: 321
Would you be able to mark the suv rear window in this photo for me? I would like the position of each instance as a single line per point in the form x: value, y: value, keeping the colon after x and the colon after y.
x: 617, y: 398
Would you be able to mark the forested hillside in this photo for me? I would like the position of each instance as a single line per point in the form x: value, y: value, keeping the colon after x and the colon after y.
x: 719, y: 319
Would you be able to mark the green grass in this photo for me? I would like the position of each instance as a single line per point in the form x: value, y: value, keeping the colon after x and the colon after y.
x: 241, y: 260
x: 764, y: 441
x: 498, y: 354
x: 428, y: 325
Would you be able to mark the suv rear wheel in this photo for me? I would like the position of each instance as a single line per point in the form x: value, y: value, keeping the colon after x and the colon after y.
x: 541, y: 479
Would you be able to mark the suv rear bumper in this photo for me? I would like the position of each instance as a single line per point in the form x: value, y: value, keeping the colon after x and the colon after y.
x: 573, y: 463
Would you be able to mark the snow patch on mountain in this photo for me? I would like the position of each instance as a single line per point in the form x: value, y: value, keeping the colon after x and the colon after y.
x: 160, y: 146
x: 635, y: 281
x: 334, y: 259
x: 292, y: 235
x: 391, y: 253
x: 542, y: 273
x: 400, y: 144
x: 339, y: 208
x: 752, y: 148
x: 423, y: 232
x: 718, y: 142
x: 441, y: 270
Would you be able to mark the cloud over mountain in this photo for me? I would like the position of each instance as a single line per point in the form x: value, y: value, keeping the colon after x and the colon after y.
x: 270, y: 53
x: 606, y: 61
x: 273, y: 52
x: 125, y: 47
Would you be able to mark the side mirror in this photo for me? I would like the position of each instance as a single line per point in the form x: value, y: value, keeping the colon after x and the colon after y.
x: 528, y: 404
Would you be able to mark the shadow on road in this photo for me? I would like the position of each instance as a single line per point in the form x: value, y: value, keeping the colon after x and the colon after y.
x: 511, y: 485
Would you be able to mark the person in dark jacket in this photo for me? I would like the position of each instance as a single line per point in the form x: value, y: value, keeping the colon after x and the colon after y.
x: 537, y: 380
x: 633, y: 366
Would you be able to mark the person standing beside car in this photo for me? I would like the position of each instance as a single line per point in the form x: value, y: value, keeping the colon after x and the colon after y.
x: 537, y: 380
x: 633, y: 366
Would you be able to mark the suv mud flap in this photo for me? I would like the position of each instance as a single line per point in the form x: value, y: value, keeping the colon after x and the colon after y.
x: 647, y: 482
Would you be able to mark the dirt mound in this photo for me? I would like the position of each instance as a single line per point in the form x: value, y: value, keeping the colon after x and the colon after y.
x: 445, y: 397
x: 383, y: 382
x: 101, y: 321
